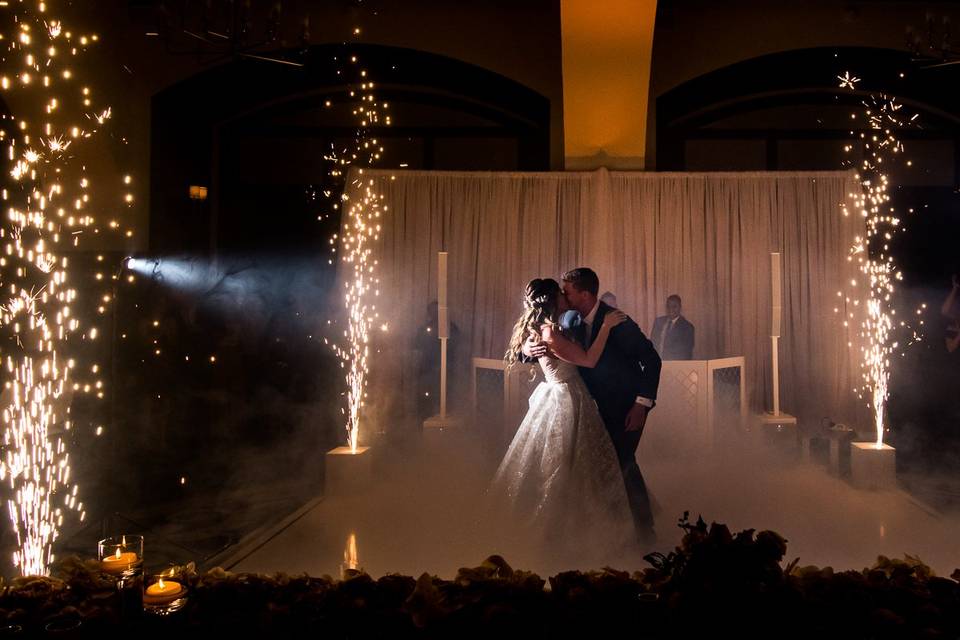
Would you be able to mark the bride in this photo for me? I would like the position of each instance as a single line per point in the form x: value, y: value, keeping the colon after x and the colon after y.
x: 560, y: 480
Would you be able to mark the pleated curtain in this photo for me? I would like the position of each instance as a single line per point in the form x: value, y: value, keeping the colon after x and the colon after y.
x: 704, y: 236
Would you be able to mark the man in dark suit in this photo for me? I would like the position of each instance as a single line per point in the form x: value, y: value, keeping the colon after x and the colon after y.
x: 672, y: 334
x: 623, y: 383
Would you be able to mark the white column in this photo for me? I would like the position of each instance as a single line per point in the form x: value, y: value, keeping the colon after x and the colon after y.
x: 443, y: 327
x: 776, y: 315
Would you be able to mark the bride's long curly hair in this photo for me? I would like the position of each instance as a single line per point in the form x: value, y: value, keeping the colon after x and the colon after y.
x: 539, y: 308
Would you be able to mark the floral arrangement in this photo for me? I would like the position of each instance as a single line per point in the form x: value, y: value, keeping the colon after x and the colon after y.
x: 713, y: 582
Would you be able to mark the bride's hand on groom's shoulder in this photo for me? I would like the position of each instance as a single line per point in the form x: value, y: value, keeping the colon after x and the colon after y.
x: 533, y: 348
x: 613, y: 318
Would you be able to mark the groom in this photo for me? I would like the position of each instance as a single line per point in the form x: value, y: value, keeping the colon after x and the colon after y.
x: 623, y: 383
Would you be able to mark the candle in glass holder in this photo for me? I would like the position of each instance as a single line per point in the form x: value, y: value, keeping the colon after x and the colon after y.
x: 119, y: 562
x: 121, y: 556
x: 164, y: 595
x: 163, y: 592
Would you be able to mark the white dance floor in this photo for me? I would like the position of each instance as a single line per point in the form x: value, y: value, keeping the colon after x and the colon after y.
x: 421, y: 517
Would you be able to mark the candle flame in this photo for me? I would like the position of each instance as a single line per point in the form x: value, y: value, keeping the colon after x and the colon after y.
x: 351, y: 558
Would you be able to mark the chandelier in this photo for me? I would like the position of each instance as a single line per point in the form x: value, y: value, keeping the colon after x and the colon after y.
x: 934, y: 48
x: 218, y: 30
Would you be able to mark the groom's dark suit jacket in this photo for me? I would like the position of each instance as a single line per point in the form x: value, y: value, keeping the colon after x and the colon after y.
x: 629, y: 367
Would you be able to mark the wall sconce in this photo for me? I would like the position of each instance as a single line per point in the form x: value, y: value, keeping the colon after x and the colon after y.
x: 197, y: 192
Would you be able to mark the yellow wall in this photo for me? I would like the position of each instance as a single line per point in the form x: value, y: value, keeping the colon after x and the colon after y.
x: 607, y: 48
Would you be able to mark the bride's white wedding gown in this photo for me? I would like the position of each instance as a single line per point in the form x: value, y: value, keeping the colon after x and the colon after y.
x: 560, y: 481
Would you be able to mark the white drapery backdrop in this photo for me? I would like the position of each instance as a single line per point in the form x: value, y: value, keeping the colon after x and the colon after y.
x: 704, y: 236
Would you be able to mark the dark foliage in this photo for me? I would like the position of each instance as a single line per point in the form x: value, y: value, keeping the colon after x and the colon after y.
x: 715, y: 583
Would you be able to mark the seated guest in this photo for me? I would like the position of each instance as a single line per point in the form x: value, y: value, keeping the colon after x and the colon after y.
x: 609, y: 299
x: 673, y: 334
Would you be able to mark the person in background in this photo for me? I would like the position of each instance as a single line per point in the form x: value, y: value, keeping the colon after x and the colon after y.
x: 428, y: 365
x: 673, y: 335
x: 609, y: 299
x: 951, y: 311
x: 427, y: 346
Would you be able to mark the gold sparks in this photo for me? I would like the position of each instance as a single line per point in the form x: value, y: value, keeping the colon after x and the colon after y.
x: 38, y: 308
x: 879, y: 148
x: 847, y: 81
x: 360, y: 232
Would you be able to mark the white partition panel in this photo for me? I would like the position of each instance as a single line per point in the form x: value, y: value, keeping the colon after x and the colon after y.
x: 698, y: 403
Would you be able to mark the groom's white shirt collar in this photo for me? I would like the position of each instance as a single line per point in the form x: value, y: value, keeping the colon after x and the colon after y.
x: 592, y: 314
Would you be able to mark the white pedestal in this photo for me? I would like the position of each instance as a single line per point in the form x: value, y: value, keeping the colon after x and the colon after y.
x: 438, y: 425
x: 871, y: 467
x: 779, y: 431
x: 442, y: 436
x: 348, y: 472
x: 779, y: 420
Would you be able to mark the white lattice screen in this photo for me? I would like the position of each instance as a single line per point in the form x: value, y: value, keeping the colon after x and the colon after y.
x: 699, y: 401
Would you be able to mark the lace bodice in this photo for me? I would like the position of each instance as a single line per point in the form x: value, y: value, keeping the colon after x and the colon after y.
x: 556, y: 370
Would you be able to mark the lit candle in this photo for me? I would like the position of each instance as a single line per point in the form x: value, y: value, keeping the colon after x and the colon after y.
x: 163, y: 592
x: 119, y: 562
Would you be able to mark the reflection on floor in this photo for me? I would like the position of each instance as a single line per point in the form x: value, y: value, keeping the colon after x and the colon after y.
x: 200, y: 527
x: 422, y: 516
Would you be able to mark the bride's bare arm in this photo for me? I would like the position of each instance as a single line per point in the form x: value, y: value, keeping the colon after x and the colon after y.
x: 570, y: 351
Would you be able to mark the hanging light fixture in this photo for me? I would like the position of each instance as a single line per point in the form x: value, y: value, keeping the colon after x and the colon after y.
x: 219, y: 30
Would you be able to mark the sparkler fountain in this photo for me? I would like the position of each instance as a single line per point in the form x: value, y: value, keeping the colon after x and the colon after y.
x: 873, y: 464
x: 46, y: 204
x: 349, y: 467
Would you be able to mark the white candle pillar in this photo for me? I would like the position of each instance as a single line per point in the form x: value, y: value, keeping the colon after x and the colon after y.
x: 776, y: 313
x: 776, y: 421
x: 442, y: 422
x: 443, y: 327
x: 442, y: 278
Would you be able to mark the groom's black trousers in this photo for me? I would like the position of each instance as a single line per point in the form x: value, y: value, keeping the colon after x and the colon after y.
x: 626, y: 442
